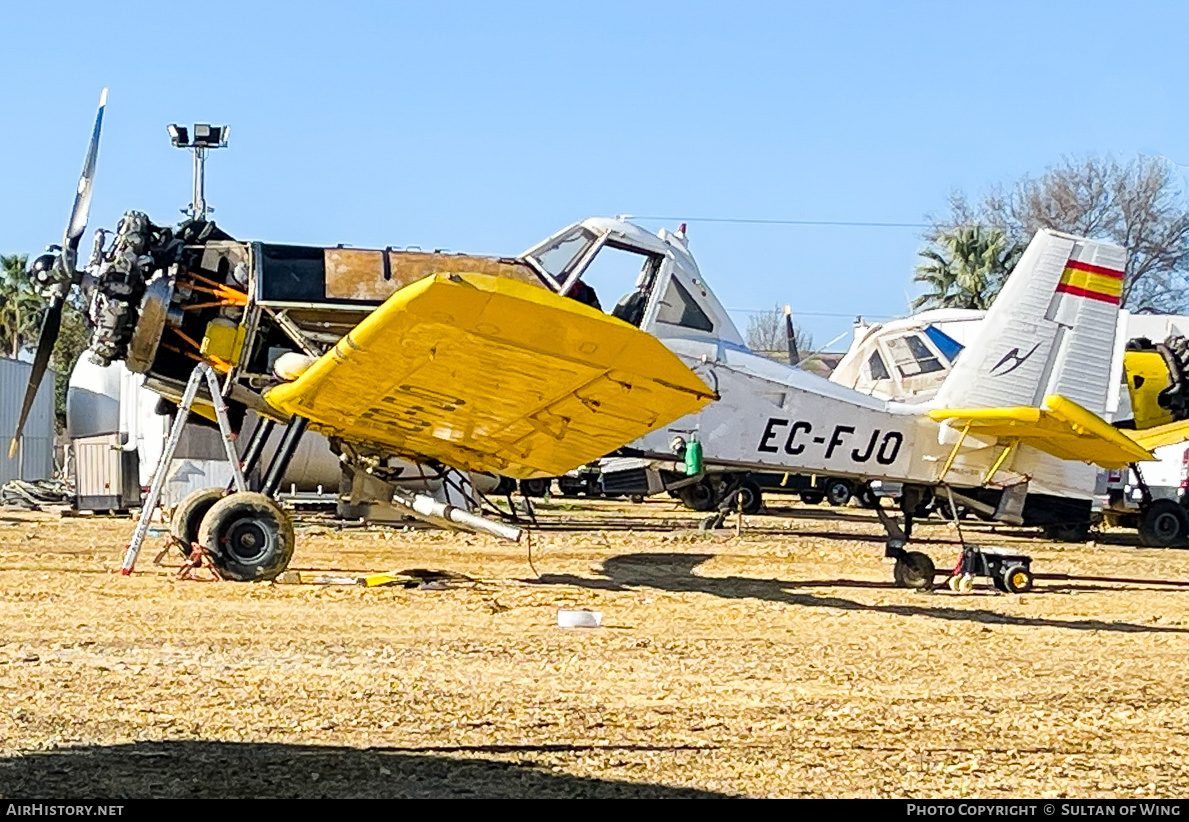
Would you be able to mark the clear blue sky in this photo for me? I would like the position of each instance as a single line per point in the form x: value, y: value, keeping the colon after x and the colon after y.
x: 485, y: 126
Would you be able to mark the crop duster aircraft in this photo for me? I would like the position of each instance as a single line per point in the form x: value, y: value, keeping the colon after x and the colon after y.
x: 509, y: 366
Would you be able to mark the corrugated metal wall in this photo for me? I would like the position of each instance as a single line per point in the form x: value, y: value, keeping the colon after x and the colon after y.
x: 35, y: 458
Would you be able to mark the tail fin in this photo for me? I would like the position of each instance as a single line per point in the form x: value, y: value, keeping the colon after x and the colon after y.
x: 1051, y: 330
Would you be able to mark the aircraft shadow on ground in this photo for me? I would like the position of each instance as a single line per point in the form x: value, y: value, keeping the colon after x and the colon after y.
x: 195, y: 769
x: 675, y: 573
x: 668, y: 526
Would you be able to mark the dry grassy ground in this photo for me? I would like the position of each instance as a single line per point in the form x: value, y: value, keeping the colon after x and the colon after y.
x: 778, y: 663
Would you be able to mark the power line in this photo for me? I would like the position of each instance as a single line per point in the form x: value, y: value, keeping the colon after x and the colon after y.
x: 843, y: 223
x: 813, y: 313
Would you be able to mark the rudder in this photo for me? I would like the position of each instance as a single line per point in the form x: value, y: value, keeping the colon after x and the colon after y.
x: 1051, y: 330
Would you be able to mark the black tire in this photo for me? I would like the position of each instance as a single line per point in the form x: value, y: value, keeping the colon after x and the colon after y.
x: 534, y: 487
x: 505, y: 486
x: 812, y: 497
x: 1017, y: 579
x: 248, y: 537
x: 750, y: 498
x: 186, y: 519
x: 697, y: 497
x: 838, y: 492
x: 914, y: 570
x: 1163, y: 524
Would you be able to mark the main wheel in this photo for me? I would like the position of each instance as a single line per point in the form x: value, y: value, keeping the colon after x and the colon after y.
x: 186, y: 519
x: 812, y: 497
x: 1163, y: 524
x: 697, y: 497
x: 914, y: 570
x: 1017, y: 579
x: 750, y: 498
x: 248, y: 537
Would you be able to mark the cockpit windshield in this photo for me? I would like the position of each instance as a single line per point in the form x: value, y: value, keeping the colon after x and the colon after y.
x: 559, y: 257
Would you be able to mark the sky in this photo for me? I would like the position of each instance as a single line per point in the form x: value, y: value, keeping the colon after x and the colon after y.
x: 484, y: 127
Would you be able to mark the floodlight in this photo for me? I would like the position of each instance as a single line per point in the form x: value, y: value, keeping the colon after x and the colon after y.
x: 206, y: 137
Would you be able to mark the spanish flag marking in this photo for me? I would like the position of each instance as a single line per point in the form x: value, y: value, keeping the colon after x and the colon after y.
x: 1093, y: 281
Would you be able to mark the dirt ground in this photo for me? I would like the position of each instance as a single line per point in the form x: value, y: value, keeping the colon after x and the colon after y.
x: 779, y: 663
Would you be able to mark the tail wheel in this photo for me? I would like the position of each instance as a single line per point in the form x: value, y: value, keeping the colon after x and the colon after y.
x: 248, y: 537
x: 186, y: 519
x: 914, y: 570
x: 1163, y: 524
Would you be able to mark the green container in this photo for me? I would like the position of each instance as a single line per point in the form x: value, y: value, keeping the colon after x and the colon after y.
x: 693, y: 459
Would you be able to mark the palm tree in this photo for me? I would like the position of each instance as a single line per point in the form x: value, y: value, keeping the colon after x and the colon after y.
x: 20, y: 307
x: 966, y: 268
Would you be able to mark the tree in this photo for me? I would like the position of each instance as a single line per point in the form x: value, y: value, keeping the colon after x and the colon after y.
x: 20, y: 307
x: 1136, y: 204
x: 21, y: 310
x: 965, y: 267
x: 73, y: 339
x: 766, y: 335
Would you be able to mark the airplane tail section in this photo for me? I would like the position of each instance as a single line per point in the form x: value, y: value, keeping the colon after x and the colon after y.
x: 1050, y: 331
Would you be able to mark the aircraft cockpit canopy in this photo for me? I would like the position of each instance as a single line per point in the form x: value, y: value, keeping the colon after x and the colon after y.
x: 641, y: 278
x: 583, y: 264
x: 560, y: 257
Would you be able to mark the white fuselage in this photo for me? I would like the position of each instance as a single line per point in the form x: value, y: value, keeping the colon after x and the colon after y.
x: 1044, y: 336
x: 771, y: 417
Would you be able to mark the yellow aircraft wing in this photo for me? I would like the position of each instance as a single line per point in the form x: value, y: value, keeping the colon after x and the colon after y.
x: 490, y: 374
x: 1061, y: 428
x: 1169, y: 434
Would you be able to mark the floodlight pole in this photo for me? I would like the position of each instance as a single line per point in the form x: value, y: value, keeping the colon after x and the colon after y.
x: 198, y: 207
x: 203, y: 138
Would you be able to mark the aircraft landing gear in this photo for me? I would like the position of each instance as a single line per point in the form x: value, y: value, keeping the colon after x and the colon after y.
x: 186, y: 519
x: 913, y: 568
x: 248, y: 536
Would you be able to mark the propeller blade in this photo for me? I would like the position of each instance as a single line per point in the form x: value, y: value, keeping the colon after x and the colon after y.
x: 790, y: 336
x: 82, y: 198
x: 50, y: 324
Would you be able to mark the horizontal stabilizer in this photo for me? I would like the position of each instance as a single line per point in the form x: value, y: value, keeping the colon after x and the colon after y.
x: 485, y: 373
x: 1061, y: 428
x: 1172, y: 433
